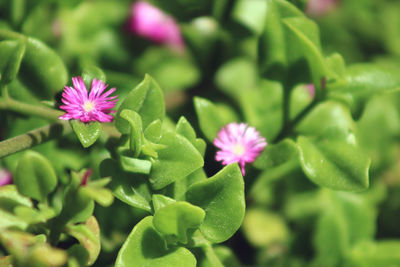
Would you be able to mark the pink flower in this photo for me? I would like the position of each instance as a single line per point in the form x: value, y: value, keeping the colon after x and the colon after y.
x: 238, y: 143
x: 150, y: 22
x: 93, y: 107
x: 317, y: 8
x: 310, y: 89
x: 5, y: 177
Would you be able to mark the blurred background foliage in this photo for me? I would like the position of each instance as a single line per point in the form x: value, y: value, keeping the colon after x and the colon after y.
x: 289, y: 220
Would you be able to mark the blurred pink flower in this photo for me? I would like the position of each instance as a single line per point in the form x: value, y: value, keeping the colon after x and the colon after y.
x: 5, y: 177
x: 150, y: 22
x: 238, y: 143
x: 310, y: 89
x: 94, y: 106
x: 317, y: 8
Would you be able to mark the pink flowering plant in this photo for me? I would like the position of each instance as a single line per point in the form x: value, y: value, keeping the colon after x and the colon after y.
x: 199, y: 133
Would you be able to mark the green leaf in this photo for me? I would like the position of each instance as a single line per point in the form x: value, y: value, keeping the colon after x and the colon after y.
x: 90, y: 72
x: 177, y: 221
x: 147, y: 100
x: 237, y: 75
x: 184, y: 128
x: 211, y: 117
x: 87, y: 133
x: 88, y: 235
x: 103, y: 196
x: 273, y: 46
x: 42, y: 69
x: 132, y: 189
x: 136, y: 133
x: 263, y: 228
x: 135, y: 165
x: 324, y: 116
x: 153, y: 131
x: 305, y: 35
x: 371, y: 254
x: 346, y: 220
x: 179, y: 159
x: 276, y: 154
x: 222, y: 198
x: 364, y: 79
x: 251, y: 14
x: 160, y: 201
x: 262, y: 108
x: 11, y: 53
x: 35, y: 177
x: 145, y: 247
x: 334, y: 161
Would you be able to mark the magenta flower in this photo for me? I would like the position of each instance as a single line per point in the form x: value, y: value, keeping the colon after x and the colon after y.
x: 150, y: 22
x: 310, y: 89
x: 5, y: 177
x: 317, y: 8
x: 238, y: 143
x: 94, y: 106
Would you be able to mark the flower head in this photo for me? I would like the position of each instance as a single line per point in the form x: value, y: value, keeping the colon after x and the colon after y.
x: 148, y: 21
x: 94, y: 106
x: 239, y: 143
x: 5, y: 177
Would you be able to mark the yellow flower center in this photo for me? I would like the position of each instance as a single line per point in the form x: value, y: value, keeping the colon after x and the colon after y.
x: 238, y: 149
x: 88, y: 106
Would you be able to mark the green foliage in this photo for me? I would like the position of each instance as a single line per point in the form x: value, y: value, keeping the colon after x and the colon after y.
x: 35, y: 177
x: 144, y: 246
x: 323, y: 192
x: 215, y: 195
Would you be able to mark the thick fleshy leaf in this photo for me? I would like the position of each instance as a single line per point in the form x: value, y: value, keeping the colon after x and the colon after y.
x: 147, y: 100
x: 88, y: 234
x: 90, y: 72
x: 153, y: 131
x: 366, y: 79
x: 134, y: 165
x: 87, y: 133
x: 276, y: 154
x: 35, y: 176
x: 179, y: 159
x: 133, y: 189
x: 325, y: 116
x: 77, y: 205
x: 177, y: 221
x: 160, y: 201
x: 222, y: 198
x: 346, y: 220
x: 263, y: 228
x: 305, y: 35
x: 42, y: 70
x: 262, y: 108
x: 136, y: 132
x: 334, y: 161
x: 102, y: 196
x: 251, y: 14
x: 211, y: 117
x: 145, y: 247
x: 11, y: 53
x: 184, y: 128
x: 236, y: 76
x: 371, y: 254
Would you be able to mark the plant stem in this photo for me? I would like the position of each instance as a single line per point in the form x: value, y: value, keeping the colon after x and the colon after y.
x: 287, y: 129
x: 34, y: 137
x: 28, y: 109
x: 210, y: 254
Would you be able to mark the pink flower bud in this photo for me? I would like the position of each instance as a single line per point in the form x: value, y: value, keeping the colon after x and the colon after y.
x: 310, y: 89
x: 318, y: 8
x: 5, y: 177
x: 150, y: 22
